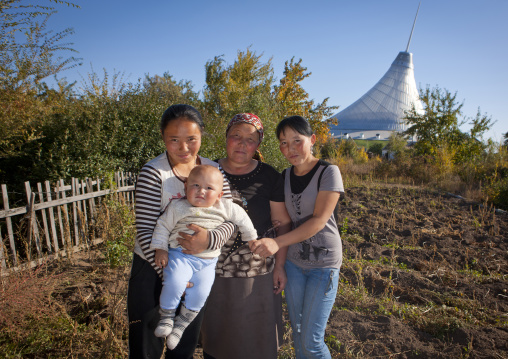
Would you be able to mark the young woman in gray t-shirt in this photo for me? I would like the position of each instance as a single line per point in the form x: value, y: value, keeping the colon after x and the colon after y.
x: 312, y: 189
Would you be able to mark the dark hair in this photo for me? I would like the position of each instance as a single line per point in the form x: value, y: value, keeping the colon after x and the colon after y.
x: 296, y: 123
x: 174, y: 112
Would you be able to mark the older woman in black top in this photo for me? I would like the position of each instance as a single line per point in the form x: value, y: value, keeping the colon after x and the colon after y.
x: 243, y: 317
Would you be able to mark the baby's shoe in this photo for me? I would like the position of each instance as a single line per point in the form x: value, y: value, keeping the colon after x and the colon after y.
x: 165, y: 325
x: 182, y: 321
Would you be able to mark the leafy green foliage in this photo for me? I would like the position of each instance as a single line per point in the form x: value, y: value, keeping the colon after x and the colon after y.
x: 248, y: 85
x: 397, y: 145
x: 439, y: 123
x: 377, y: 148
x: 438, y: 128
x: 29, y: 52
x: 349, y: 149
x: 112, y: 126
x: 329, y: 150
x: 244, y: 86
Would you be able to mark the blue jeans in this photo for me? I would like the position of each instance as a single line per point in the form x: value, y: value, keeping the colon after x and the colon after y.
x: 183, y: 268
x: 310, y: 295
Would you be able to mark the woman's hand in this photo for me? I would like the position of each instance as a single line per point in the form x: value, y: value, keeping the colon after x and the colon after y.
x: 194, y: 243
x: 279, y: 279
x: 275, y: 225
x: 264, y: 247
x: 161, y: 258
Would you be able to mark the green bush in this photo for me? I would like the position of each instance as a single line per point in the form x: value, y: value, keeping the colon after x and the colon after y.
x: 377, y: 148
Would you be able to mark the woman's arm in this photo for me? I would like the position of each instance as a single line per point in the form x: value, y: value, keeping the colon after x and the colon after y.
x: 147, y: 209
x: 280, y: 214
x: 323, y: 210
x: 203, y: 239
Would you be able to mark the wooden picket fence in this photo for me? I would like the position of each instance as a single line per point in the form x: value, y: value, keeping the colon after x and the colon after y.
x: 47, y: 227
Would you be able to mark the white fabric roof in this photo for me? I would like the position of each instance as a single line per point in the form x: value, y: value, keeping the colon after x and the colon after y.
x: 382, y: 107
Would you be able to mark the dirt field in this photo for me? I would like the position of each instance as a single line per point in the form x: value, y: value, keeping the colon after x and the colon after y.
x: 425, y: 275
x: 432, y: 270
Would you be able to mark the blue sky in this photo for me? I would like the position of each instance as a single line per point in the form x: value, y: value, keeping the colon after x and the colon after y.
x: 458, y: 45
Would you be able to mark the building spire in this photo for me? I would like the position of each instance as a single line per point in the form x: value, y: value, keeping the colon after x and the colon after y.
x: 411, y: 35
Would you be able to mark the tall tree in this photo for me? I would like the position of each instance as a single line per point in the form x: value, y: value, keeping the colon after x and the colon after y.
x: 244, y: 86
x: 29, y: 53
x: 439, y: 126
x: 292, y: 99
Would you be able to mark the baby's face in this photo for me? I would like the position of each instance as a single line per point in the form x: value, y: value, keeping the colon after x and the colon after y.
x: 204, y: 189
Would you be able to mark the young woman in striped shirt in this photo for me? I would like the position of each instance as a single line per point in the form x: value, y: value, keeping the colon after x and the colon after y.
x: 159, y: 181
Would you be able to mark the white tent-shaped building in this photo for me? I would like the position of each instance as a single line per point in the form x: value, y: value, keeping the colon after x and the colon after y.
x: 380, y: 112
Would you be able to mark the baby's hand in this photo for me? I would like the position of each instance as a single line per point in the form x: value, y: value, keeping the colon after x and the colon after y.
x: 161, y: 258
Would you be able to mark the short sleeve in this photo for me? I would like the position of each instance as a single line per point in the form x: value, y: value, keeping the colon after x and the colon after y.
x: 331, y: 180
x: 277, y: 194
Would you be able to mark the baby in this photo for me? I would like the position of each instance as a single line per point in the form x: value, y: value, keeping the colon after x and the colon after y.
x: 204, y: 207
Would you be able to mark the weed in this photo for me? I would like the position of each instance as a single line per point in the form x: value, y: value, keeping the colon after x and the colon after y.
x: 344, y: 226
x: 477, y: 225
x: 58, y: 311
x: 392, y: 245
x: 23, y: 296
x: 34, y: 324
x: 333, y: 343
x: 353, y: 238
x: 116, y: 226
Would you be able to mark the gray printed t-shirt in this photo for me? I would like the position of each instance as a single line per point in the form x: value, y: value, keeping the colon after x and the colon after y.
x: 324, y: 249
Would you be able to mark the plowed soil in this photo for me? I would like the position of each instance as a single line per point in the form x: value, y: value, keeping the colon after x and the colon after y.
x: 425, y: 275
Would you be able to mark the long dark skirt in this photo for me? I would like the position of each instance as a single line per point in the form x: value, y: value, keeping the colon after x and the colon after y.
x: 243, y: 319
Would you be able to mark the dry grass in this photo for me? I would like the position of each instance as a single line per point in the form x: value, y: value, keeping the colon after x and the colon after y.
x: 63, y: 312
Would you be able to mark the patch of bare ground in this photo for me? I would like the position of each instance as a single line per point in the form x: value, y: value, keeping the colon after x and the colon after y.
x: 425, y: 275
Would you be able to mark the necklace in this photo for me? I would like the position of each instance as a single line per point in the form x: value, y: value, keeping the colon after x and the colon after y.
x: 175, y: 171
x: 241, y: 177
x: 237, y: 182
x: 236, y: 171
